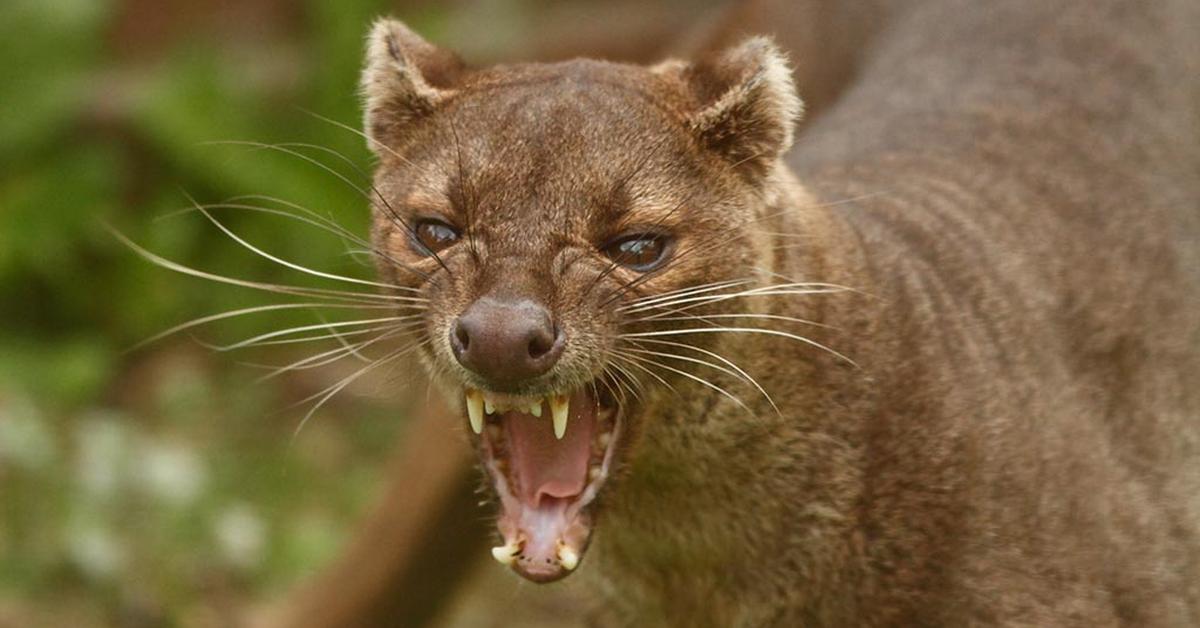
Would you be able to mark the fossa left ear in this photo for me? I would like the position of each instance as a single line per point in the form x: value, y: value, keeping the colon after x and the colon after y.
x: 748, y: 105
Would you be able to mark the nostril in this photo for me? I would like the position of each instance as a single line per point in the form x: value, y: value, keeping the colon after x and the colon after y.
x: 540, y: 344
x: 462, y: 336
x: 544, y: 344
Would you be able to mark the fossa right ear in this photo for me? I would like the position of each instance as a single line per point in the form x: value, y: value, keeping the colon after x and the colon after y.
x: 404, y: 80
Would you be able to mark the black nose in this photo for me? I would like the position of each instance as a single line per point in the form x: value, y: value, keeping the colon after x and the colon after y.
x: 506, y: 341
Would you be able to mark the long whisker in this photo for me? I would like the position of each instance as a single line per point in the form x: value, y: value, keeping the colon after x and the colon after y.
x: 328, y: 393
x: 738, y: 330
x: 370, y: 141
x: 795, y: 289
x: 699, y: 380
x: 625, y: 379
x: 396, y: 217
x: 684, y: 358
x: 629, y: 360
x: 792, y: 280
x: 341, y: 296
x: 313, y: 219
x: 251, y: 310
x: 295, y: 330
x: 341, y: 339
x: 294, y: 266
x: 683, y: 292
x: 612, y: 383
x: 737, y: 369
x: 332, y: 335
x: 297, y: 154
x: 752, y: 315
x: 346, y: 233
x: 633, y: 381
x: 323, y: 358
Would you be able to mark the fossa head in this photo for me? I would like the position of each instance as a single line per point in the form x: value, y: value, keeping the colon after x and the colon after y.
x: 549, y: 222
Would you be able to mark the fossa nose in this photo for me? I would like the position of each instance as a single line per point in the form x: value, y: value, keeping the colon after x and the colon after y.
x: 506, y: 341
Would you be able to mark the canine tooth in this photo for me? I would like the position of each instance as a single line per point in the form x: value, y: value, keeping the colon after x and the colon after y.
x: 567, y: 557
x: 488, y: 408
x: 475, y: 410
x: 506, y: 554
x: 559, y: 405
x: 535, y: 408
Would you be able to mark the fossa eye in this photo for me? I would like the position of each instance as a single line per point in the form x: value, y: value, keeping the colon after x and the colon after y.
x: 435, y: 235
x: 642, y: 252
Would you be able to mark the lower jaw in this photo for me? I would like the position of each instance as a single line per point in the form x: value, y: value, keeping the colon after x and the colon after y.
x: 546, y: 537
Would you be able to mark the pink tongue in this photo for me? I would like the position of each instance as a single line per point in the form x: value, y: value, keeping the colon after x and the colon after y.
x: 545, y: 466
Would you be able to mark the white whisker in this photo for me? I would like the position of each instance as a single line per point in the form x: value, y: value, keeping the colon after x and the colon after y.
x: 295, y: 330
x: 294, y: 266
x: 666, y: 296
x: 331, y: 356
x: 766, y: 291
x: 328, y: 393
x: 699, y: 380
x: 253, y: 310
x: 370, y: 140
x: 740, y: 372
x: 737, y: 330
x: 341, y: 296
x: 332, y: 335
x: 705, y: 317
x: 795, y: 289
x: 630, y: 361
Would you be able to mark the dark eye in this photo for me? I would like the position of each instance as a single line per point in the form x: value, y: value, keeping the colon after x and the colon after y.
x: 641, y: 252
x: 434, y: 235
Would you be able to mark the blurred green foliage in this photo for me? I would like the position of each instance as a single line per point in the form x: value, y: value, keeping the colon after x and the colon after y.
x: 162, y: 487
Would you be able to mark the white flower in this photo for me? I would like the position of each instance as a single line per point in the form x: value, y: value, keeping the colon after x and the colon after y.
x: 104, y: 444
x: 241, y: 536
x: 25, y: 440
x: 174, y: 474
x: 95, y: 550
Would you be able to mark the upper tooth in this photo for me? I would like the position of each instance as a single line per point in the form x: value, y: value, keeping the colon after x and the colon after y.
x: 567, y: 557
x: 475, y: 410
x: 535, y: 407
x: 487, y: 406
x: 559, y: 404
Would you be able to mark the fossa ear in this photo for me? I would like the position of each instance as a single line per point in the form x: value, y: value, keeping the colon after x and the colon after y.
x: 747, y: 104
x: 405, y: 79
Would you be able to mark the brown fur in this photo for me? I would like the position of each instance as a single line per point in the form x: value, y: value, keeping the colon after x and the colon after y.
x: 1012, y: 189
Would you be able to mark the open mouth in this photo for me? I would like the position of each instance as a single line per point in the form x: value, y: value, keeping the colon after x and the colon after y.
x: 547, y: 457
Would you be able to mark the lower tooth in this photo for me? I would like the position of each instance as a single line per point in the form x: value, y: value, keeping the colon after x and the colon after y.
x: 506, y: 554
x: 593, y: 473
x: 567, y: 557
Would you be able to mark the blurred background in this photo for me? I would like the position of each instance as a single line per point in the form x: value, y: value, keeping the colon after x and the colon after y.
x: 166, y: 485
